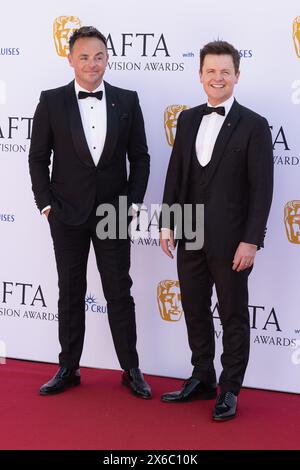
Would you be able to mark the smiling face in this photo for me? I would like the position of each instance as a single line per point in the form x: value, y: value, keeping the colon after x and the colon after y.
x: 89, y: 59
x: 218, y: 77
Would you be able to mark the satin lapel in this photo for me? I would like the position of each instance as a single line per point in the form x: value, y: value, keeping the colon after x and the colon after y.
x: 112, y: 130
x: 188, y: 140
x: 227, y: 129
x: 78, y: 136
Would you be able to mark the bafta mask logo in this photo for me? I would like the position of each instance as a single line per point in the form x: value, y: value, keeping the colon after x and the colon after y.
x: 63, y: 27
x: 170, y: 120
x: 296, y: 35
x: 292, y: 221
x: 169, y: 300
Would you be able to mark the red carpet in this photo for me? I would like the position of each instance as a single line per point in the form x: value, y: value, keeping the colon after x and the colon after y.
x: 102, y: 414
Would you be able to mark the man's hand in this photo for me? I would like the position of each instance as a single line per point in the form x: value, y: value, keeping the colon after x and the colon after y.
x: 167, y: 241
x: 244, y: 256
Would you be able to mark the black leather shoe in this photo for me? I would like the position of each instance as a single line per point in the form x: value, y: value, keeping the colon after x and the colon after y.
x: 64, y: 378
x: 226, y: 406
x: 134, y: 379
x: 193, y: 389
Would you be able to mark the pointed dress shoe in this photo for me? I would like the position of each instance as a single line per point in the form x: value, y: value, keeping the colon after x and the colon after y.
x: 134, y: 379
x: 63, y: 379
x: 193, y: 389
x: 226, y: 407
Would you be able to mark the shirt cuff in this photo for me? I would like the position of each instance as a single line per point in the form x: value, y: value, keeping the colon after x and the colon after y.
x: 45, y: 209
x: 135, y: 207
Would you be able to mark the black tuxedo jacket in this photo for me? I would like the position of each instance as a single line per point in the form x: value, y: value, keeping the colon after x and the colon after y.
x: 76, y: 183
x: 239, y: 183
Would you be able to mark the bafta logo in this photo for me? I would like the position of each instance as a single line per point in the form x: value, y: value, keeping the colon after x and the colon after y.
x: 169, y: 300
x: 170, y: 120
x: 296, y: 35
x: 63, y: 27
x: 292, y: 221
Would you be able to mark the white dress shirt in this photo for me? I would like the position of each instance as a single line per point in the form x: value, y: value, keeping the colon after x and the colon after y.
x: 94, y: 120
x: 208, y: 132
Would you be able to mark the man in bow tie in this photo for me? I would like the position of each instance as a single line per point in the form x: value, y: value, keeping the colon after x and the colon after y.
x: 222, y: 159
x: 90, y: 127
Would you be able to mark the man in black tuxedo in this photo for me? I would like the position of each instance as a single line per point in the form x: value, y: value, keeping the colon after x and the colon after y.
x: 222, y: 158
x: 90, y: 127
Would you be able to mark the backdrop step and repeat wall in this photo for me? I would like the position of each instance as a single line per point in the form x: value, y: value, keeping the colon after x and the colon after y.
x: 154, y: 49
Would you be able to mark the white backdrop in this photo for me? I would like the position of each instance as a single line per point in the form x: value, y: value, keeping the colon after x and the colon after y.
x: 160, y: 61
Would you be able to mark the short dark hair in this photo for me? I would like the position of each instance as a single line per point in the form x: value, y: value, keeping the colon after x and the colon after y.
x: 86, y: 32
x: 219, y: 48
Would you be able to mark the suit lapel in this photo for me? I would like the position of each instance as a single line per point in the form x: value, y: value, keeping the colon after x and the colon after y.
x: 188, y: 141
x: 112, y: 130
x: 193, y: 128
x: 78, y: 136
x: 225, y: 133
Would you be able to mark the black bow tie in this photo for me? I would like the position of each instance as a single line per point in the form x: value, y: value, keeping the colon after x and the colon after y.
x: 85, y: 94
x: 209, y: 109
